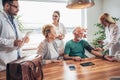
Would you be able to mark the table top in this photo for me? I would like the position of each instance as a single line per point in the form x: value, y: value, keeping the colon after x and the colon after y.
x: 102, y: 70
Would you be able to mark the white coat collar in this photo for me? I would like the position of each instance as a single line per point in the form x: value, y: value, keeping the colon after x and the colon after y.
x: 7, y: 18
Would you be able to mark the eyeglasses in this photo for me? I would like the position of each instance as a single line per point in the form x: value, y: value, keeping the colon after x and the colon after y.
x: 14, y: 5
x: 55, y: 16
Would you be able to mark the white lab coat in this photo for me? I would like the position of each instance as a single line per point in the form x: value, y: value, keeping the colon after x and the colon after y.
x: 112, y: 39
x: 8, y: 52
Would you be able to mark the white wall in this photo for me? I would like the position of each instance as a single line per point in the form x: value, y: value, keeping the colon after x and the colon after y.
x: 93, y: 14
x: 0, y: 4
x: 110, y: 6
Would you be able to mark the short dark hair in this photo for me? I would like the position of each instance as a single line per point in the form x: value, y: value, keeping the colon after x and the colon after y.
x: 7, y: 1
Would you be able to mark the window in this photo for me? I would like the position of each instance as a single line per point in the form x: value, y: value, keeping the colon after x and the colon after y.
x: 35, y: 14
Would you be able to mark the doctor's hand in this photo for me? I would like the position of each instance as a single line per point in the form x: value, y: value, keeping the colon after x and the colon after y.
x: 18, y: 43
x: 109, y: 58
x: 26, y: 39
x: 98, y: 49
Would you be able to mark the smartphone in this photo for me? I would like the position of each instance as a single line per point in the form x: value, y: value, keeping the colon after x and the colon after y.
x: 87, y: 64
x: 72, y: 67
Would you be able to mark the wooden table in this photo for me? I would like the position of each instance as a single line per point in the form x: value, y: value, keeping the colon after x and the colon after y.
x: 102, y: 70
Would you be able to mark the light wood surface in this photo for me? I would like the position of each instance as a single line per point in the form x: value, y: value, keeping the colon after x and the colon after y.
x: 102, y: 70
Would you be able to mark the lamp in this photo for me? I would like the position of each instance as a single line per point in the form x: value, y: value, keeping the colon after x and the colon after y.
x: 79, y: 4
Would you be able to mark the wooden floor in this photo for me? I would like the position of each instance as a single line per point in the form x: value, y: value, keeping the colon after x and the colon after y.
x: 3, y: 75
x: 102, y: 70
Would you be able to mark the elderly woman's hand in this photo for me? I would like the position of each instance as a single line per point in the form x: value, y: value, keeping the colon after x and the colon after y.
x: 56, y: 61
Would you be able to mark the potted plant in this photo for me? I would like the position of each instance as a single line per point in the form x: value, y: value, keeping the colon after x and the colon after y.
x: 20, y: 23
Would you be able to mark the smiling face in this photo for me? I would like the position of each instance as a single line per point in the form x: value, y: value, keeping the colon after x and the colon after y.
x: 78, y: 34
x: 52, y: 34
x: 55, y: 17
x: 49, y: 32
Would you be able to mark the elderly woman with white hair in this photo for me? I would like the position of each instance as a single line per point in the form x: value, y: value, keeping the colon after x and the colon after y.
x: 112, y: 33
x: 48, y: 47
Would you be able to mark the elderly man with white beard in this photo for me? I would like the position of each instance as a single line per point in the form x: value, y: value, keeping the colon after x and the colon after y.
x: 75, y: 48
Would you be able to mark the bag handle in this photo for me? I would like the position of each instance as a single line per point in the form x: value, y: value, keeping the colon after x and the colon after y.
x: 41, y: 71
x: 33, y: 71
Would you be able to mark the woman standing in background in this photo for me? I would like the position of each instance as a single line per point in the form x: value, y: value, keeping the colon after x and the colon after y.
x: 112, y: 33
x: 60, y: 31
